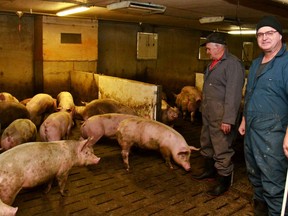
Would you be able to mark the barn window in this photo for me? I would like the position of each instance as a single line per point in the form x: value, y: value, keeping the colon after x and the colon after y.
x: 71, y: 38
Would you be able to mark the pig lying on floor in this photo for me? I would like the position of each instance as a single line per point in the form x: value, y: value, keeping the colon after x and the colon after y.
x: 150, y: 134
x: 31, y: 164
x: 106, y: 125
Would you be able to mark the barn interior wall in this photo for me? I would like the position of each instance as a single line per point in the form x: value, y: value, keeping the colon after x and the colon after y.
x: 109, y: 47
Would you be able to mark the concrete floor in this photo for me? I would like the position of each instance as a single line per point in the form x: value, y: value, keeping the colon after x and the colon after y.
x: 150, y: 188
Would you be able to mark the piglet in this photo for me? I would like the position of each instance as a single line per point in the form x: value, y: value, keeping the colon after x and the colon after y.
x: 18, y: 132
x: 56, y: 126
x: 6, y: 210
x: 39, y: 105
x: 106, y: 125
x: 154, y: 135
x: 35, y: 163
x: 169, y: 114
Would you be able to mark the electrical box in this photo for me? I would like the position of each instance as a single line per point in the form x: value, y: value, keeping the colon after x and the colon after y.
x: 147, y: 44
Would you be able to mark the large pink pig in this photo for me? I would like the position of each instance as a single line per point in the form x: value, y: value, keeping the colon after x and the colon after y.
x: 18, y: 132
x: 65, y: 102
x: 39, y: 105
x: 154, y: 135
x: 106, y: 125
x: 36, y: 163
x: 57, y: 126
x: 6, y: 210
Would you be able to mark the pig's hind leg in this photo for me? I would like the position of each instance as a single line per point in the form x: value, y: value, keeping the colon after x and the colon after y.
x: 125, y: 154
x: 62, y: 179
x: 166, y: 154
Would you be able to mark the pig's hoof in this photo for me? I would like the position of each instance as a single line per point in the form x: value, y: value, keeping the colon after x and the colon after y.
x: 64, y: 193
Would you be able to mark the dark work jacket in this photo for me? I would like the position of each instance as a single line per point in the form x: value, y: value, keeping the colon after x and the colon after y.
x: 222, y: 89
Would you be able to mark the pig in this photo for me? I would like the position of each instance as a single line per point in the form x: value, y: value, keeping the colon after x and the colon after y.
x: 35, y: 163
x: 98, y: 126
x: 10, y: 111
x: 154, y: 135
x: 102, y: 106
x: 188, y: 101
x: 6, y: 210
x: 57, y: 126
x: 65, y: 102
x: 18, y: 132
x: 5, y: 96
x: 39, y: 105
x: 169, y: 114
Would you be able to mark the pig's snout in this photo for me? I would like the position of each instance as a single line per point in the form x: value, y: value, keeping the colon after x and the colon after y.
x: 187, y: 167
x: 96, y: 160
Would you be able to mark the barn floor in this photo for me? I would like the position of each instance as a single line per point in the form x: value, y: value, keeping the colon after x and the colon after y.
x: 150, y: 188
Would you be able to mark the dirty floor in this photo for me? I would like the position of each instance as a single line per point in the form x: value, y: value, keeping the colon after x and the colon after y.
x: 149, y: 188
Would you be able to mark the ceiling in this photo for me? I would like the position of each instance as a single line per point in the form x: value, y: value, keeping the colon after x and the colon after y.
x: 179, y: 13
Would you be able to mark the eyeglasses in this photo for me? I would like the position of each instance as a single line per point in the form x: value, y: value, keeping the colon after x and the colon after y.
x: 267, y: 34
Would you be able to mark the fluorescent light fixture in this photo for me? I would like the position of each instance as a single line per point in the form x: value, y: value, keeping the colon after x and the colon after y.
x: 242, y: 32
x: 72, y: 10
x: 213, y: 19
x: 137, y: 7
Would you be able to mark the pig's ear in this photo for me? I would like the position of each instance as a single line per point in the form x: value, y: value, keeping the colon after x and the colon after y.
x: 85, y: 143
x: 193, y: 148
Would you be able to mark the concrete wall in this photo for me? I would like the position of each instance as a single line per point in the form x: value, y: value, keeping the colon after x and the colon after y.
x: 32, y: 59
x: 16, y: 54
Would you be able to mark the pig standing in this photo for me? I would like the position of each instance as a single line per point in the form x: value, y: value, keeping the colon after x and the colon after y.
x: 10, y: 111
x: 39, y: 105
x: 36, y: 163
x: 65, y: 102
x: 102, y: 125
x: 6, y: 210
x: 5, y: 96
x: 18, y: 132
x: 168, y: 114
x: 153, y: 135
x: 57, y: 126
x: 102, y: 106
x: 188, y: 101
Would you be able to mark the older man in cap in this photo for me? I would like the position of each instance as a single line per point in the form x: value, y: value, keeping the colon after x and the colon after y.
x: 222, y: 94
x: 265, y: 119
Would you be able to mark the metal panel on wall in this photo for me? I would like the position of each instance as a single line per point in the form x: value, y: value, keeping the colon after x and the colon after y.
x: 144, y: 98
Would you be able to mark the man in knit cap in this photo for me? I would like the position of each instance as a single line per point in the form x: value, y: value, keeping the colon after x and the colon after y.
x: 265, y: 119
x: 221, y: 99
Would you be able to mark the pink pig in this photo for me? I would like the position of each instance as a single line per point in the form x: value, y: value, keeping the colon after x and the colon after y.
x: 36, y: 163
x: 6, y: 210
x: 39, y: 105
x: 18, y: 132
x: 102, y: 125
x: 56, y: 126
x: 153, y: 135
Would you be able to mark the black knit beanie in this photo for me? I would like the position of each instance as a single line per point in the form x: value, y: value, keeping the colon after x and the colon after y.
x: 271, y: 21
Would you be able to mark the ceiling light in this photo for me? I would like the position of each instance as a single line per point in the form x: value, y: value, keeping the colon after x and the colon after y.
x: 242, y: 32
x: 211, y: 19
x: 72, y: 10
x: 137, y: 7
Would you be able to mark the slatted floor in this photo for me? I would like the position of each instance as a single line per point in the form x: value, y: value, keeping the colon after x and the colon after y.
x: 150, y: 188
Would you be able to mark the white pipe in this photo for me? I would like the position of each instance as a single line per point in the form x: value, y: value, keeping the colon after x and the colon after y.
x: 285, y: 196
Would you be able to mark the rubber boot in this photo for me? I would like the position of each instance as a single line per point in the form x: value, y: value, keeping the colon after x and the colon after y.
x: 209, y: 170
x: 224, y: 182
x: 260, y: 208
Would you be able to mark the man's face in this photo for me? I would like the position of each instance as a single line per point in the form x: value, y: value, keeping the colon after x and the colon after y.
x: 213, y: 50
x: 268, y: 38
